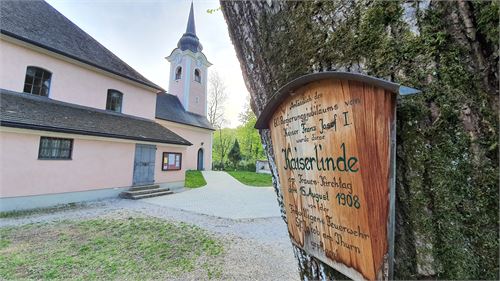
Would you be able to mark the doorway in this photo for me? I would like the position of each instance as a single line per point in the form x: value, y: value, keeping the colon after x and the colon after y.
x: 144, y: 164
x: 200, y: 159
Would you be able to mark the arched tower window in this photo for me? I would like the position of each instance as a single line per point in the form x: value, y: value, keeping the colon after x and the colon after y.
x: 178, y: 73
x: 197, y: 75
x: 37, y: 81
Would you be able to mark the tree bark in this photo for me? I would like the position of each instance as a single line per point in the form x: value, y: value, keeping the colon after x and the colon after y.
x: 447, y: 154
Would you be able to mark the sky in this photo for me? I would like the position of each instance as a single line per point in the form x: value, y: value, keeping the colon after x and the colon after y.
x: 143, y: 33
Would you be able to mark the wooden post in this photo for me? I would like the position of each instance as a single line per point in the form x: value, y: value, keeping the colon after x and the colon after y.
x: 334, y: 145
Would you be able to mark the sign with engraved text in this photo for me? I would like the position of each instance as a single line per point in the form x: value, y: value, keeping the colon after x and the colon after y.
x: 333, y: 136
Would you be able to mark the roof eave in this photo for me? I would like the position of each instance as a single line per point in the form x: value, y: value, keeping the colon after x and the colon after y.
x: 193, y: 54
x: 183, y: 123
x: 7, y: 33
x: 87, y: 133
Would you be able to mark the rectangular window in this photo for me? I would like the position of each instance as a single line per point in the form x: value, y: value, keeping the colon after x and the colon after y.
x: 55, y: 148
x: 171, y: 161
x: 37, y: 81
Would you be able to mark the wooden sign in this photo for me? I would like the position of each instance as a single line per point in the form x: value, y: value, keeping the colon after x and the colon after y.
x: 333, y: 136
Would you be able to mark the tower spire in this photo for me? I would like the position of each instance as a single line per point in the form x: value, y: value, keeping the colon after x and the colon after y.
x: 189, y: 40
x: 190, y: 25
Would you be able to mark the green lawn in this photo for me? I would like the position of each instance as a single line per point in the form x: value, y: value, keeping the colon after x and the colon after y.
x: 107, y: 249
x: 252, y: 178
x: 48, y: 210
x: 194, y: 179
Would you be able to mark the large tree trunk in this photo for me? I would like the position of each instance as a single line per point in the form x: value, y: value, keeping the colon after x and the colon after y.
x: 447, y: 155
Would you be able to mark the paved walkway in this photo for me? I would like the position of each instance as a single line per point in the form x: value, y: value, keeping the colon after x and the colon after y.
x: 224, y: 197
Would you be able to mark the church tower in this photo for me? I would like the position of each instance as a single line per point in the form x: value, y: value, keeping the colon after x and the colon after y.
x: 188, y: 71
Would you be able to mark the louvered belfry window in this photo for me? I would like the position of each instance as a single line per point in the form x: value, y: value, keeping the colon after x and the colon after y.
x: 178, y: 73
x: 114, y: 101
x: 37, y: 81
x: 197, y: 75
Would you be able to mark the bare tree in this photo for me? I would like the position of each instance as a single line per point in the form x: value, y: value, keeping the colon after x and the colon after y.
x: 216, y: 99
x: 247, y: 113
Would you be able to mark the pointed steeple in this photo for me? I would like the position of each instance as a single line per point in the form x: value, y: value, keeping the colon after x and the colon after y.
x: 189, y: 40
x: 190, y: 26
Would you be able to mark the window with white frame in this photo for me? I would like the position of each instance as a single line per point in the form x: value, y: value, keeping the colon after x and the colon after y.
x: 37, y: 81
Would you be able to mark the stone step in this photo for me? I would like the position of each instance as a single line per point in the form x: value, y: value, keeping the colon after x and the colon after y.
x: 142, y: 196
x: 144, y: 187
x: 145, y: 191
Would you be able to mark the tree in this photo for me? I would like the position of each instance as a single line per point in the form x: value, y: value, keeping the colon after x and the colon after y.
x: 222, y: 143
x: 251, y: 146
x: 447, y: 175
x: 235, y: 154
x: 216, y: 99
x: 247, y: 114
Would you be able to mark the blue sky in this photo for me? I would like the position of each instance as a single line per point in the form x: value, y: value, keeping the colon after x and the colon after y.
x: 143, y: 33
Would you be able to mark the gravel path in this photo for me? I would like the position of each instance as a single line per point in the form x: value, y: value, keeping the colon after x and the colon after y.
x: 256, y: 249
x: 225, y: 197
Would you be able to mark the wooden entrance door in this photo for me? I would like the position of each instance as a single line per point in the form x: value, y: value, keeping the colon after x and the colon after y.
x: 144, y: 164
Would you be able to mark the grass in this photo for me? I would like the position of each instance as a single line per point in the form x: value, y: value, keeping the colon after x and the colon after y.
x: 194, y: 179
x: 252, y: 178
x: 57, y: 208
x: 105, y: 249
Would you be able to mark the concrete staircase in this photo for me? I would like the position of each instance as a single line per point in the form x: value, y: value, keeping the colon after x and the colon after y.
x: 145, y: 191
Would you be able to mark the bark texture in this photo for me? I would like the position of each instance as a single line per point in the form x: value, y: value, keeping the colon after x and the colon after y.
x: 447, y: 154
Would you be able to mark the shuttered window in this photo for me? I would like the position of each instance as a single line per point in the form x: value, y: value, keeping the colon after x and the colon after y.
x: 55, y: 148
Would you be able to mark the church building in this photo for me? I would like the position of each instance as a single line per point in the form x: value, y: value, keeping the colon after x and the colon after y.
x: 77, y: 123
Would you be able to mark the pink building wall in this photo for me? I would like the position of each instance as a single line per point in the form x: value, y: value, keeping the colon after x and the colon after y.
x: 169, y: 176
x: 198, y: 90
x: 196, y: 136
x: 176, y: 87
x: 73, y: 83
x: 95, y: 164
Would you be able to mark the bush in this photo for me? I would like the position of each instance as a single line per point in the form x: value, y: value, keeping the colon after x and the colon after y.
x: 217, y: 166
x: 243, y: 165
x: 246, y: 165
x: 234, y: 154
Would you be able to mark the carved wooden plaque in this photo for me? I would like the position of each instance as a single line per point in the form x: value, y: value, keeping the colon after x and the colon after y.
x: 332, y: 147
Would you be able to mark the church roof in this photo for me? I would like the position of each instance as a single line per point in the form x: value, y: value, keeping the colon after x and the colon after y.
x: 189, y: 40
x: 21, y: 110
x: 169, y: 108
x: 37, y: 23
